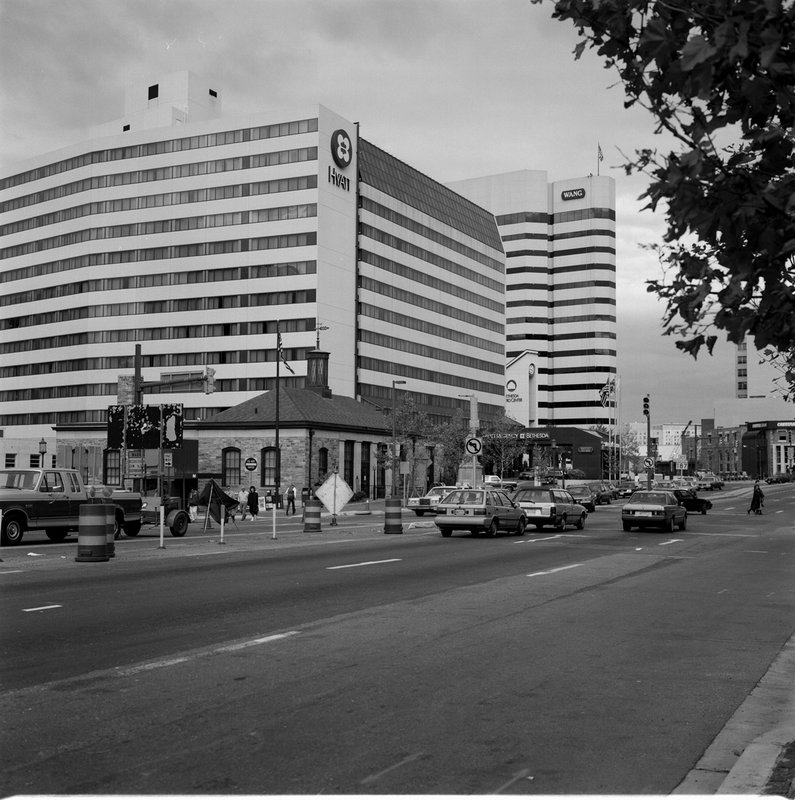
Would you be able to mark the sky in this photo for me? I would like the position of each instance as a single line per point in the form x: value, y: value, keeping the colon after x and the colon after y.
x: 455, y: 88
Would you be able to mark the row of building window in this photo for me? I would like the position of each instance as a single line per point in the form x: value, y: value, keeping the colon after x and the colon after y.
x: 433, y: 307
x: 166, y: 199
x: 431, y: 376
x: 431, y: 281
x: 428, y: 328
x: 162, y: 279
x: 452, y: 267
x: 559, y: 287
x: 426, y: 351
x: 367, y: 204
x: 158, y: 226
x: 551, y: 219
x: 560, y: 303
x: 572, y: 251
x: 561, y: 320
x: 551, y: 270
x: 148, y: 149
x: 178, y: 332
x: 164, y: 360
x: 165, y: 306
x: 195, y: 250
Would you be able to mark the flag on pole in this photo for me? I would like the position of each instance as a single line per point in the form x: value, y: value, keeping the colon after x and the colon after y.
x: 606, y: 392
x: 280, y: 350
x: 599, y: 152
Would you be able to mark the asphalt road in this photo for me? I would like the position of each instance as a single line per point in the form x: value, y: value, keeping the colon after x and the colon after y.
x: 349, y: 661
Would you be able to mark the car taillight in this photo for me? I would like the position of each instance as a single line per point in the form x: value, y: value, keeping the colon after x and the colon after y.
x: 553, y: 511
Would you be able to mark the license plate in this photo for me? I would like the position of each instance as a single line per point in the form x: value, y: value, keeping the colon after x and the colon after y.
x: 460, y: 511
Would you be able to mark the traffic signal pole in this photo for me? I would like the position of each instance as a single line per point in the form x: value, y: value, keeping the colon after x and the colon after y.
x: 649, y: 454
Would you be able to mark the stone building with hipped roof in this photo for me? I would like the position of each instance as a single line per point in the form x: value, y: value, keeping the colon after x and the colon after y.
x: 317, y: 433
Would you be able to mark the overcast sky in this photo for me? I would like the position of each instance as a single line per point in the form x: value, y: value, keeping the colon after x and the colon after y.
x: 455, y: 88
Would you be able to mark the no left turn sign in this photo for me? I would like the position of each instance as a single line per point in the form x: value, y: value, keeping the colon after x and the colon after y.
x: 473, y: 446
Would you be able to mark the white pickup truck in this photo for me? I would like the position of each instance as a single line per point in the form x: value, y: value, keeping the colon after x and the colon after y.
x: 50, y: 500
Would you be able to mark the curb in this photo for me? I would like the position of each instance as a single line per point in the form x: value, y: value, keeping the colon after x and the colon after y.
x: 755, y: 767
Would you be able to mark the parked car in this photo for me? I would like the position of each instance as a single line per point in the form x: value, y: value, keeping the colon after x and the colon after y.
x: 692, y: 502
x: 779, y: 477
x: 427, y: 503
x: 583, y: 495
x: 653, y: 509
x: 550, y: 506
x: 602, y: 493
x: 479, y: 511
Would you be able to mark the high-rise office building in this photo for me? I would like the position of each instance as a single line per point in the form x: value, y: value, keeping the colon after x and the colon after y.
x: 560, y: 246
x: 196, y: 236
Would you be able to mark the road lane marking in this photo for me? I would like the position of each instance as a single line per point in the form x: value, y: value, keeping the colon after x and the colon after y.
x: 43, y: 608
x: 550, y: 538
x: 553, y: 571
x: 211, y: 651
x: 670, y: 541
x: 365, y: 563
x: 407, y: 760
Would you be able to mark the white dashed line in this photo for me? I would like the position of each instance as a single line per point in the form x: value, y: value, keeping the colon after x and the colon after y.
x: 365, y: 563
x: 43, y: 608
x: 552, y: 571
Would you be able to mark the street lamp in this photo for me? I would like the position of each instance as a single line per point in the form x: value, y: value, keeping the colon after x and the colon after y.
x: 42, y: 451
x: 394, y: 438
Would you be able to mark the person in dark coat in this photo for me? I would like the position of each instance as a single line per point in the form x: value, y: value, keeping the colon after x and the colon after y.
x: 757, y: 499
x: 253, y: 502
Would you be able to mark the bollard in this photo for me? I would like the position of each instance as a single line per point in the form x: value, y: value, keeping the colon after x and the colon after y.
x: 110, y: 529
x: 91, y: 537
x: 312, y: 515
x: 392, y: 520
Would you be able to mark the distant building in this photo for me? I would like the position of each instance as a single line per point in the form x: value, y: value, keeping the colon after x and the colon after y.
x: 560, y: 247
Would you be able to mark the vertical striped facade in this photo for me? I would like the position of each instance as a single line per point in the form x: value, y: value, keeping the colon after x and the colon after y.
x: 560, y: 247
x: 196, y: 235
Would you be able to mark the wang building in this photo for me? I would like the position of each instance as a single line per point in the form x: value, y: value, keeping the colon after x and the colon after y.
x: 194, y: 235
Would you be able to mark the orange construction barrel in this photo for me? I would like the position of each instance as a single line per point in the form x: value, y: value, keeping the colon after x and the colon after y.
x: 110, y: 529
x: 91, y: 536
x: 312, y: 515
x: 392, y: 519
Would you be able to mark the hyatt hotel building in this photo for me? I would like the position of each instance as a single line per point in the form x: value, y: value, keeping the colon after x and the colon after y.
x: 194, y: 235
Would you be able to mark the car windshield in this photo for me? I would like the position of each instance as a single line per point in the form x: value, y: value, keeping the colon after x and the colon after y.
x: 531, y: 496
x: 464, y: 496
x: 17, y: 479
x: 650, y: 497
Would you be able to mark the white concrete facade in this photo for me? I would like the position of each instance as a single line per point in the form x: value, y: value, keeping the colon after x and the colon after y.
x: 195, y: 238
x: 559, y: 241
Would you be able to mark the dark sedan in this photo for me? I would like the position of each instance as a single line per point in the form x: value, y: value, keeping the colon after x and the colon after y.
x: 692, y: 502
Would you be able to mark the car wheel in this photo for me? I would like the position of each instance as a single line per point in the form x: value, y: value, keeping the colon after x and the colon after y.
x: 179, y: 525
x: 13, y: 531
x: 539, y: 526
x: 491, y: 531
x: 703, y: 509
x: 56, y: 534
x: 446, y: 533
x: 560, y: 525
x: 520, y: 526
x: 419, y: 513
x: 670, y: 525
x: 626, y: 526
x: 132, y: 528
x: 683, y: 523
x: 581, y: 522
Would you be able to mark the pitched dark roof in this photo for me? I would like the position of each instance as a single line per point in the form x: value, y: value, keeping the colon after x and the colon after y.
x: 301, y: 408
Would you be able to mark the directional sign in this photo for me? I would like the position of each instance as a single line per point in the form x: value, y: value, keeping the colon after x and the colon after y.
x: 473, y: 446
x: 648, y: 462
x: 334, y: 493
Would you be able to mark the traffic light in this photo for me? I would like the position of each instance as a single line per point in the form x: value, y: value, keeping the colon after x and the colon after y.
x: 646, y: 406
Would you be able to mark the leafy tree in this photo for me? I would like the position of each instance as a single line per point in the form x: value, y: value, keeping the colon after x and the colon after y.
x: 449, y: 438
x: 719, y: 76
x: 501, y: 447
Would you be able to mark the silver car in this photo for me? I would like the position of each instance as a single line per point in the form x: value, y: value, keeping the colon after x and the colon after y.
x: 654, y: 509
x: 550, y: 506
x: 479, y: 511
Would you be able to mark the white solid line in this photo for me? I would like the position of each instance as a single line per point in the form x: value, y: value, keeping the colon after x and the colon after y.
x: 231, y: 648
x: 365, y: 563
x: 11, y: 571
x: 42, y: 608
x: 552, y: 571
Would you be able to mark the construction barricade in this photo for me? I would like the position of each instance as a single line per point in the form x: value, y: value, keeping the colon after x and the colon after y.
x: 92, y: 533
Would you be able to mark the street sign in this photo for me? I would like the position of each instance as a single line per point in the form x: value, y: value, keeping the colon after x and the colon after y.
x: 473, y: 446
x: 250, y: 464
x: 648, y: 462
x: 168, y: 459
x: 334, y: 493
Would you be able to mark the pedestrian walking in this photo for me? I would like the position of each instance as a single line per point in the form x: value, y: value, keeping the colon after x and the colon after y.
x: 757, y: 499
x: 242, y: 503
x: 290, y: 500
x: 253, y: 503
x: 193, y: 505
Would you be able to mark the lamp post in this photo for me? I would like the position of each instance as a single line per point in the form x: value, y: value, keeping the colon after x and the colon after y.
x: 42, y: 451
x: 394, y: 437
